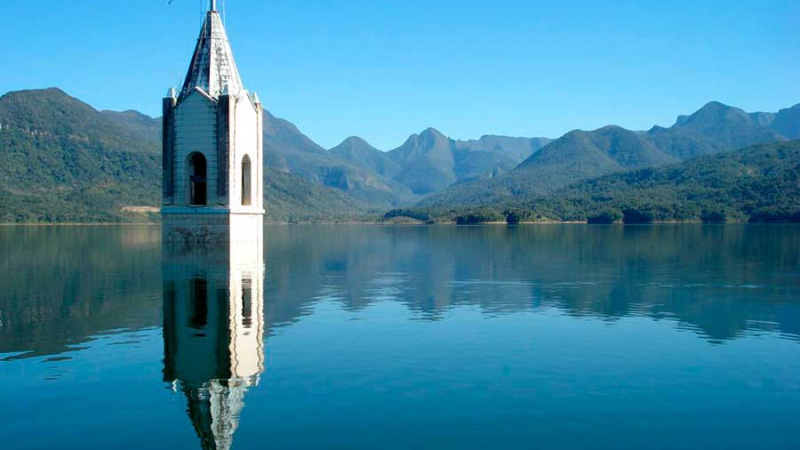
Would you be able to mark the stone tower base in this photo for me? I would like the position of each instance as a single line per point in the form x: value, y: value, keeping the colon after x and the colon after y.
x: 211, y: 226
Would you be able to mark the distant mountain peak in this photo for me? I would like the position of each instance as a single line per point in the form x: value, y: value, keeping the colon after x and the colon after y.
x: 612, y: 129
x: 715, y: 105
x: 657, y: 129
x: 430, y: 131
x: 355, y: 141
x: 715, y: 113
x: 425, y: 140
x: 49, y: 94
x: 354, y: 144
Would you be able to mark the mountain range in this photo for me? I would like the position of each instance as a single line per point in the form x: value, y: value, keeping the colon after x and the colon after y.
x: 581, y: 155
x: 426, y: 163
x: 760, y: 183
x: 431, y: 169
x: 66, y: 161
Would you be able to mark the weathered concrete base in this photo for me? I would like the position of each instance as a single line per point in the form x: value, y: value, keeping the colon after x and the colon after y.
x: 208, y: 226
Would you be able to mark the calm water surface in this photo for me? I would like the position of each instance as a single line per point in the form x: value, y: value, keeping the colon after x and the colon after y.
x: 403, y: 337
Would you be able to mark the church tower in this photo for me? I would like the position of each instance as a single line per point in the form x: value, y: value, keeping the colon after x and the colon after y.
x: 212, y: 148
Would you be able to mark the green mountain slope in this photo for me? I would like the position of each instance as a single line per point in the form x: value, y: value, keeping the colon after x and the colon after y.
x: 52, y: 113
x: 66, y: 162
x: 143, y: 126
x: 581, y: 155
x: 431, y: 162
x: 787, y: 122
x: 358, y: 151
x: 427, y: 162
x: 517, y: 148
x: 715, y: 128
x: 290, y: 198
x: 578, y: 155
x: 287, y: 149
x: 757, y: 184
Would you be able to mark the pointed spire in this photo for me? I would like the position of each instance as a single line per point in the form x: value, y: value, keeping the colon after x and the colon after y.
x: 256, y: 100
x: 213, y: 67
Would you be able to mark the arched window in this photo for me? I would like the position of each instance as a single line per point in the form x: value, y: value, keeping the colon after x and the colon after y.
x: 197, y: 179
x: 198, y: 306
x: 247, y: 302
x: 246, y: 181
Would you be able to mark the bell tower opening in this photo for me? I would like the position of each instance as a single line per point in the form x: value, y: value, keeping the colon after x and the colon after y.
x: 198, y: 292
x: 246, y: 181
x: 198, y: 179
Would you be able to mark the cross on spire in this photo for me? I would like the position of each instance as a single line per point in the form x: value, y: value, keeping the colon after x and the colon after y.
x: 213, y: 5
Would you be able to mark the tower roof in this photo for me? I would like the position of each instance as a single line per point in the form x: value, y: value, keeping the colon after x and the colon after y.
x: 213, y: 67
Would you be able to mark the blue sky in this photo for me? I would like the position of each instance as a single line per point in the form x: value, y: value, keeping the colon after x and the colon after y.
x: 385, y: 69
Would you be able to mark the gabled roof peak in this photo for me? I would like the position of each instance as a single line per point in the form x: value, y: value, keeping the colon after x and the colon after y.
x: 213, y: 68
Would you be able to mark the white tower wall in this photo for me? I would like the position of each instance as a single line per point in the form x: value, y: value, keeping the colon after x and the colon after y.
x: 195, y: 131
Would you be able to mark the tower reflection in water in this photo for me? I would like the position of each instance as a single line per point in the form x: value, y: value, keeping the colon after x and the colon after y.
x: 214, y: 333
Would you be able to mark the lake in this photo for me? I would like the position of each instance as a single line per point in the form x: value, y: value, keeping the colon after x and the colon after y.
x: 360, y: 337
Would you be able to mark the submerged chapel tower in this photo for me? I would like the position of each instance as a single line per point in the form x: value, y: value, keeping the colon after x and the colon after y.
x: 212, y: 148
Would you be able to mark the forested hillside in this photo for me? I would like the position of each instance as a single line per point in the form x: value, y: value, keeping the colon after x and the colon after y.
x: 430, y: 162
x: 426, y: 163
x: 63, y: 161
x: 581, y: 155
x: 66, y: 162
x: 287, y: 149
x: 756, y: 184
x: 289, y: 198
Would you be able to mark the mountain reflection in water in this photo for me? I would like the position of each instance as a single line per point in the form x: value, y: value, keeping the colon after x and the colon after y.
x: 65, y: 285
x: 668, y: 336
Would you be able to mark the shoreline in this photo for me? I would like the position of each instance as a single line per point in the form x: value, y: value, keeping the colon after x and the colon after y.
x: 554, y: 222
